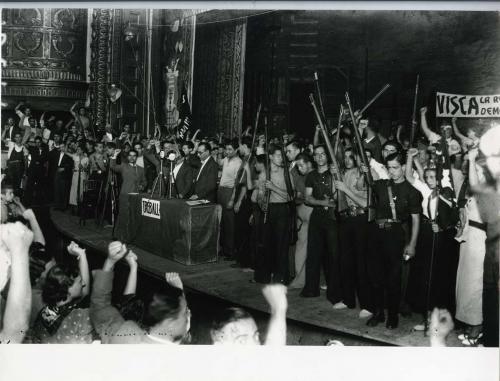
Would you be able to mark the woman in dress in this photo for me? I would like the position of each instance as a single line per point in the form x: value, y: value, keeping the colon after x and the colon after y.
x: 469, y: 286
x: 80, y: 174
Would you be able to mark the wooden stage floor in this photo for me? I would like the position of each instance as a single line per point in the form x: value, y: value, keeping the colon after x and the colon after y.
x: 233, y: 285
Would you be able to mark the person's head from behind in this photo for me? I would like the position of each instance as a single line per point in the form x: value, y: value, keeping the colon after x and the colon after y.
x: 234, y: 326
x: 61, y: 286
x: 304, y: 163
x: 167, y: 315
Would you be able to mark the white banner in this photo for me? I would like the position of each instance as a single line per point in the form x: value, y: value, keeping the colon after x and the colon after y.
x: 467, y: 106
x: 151, y: 208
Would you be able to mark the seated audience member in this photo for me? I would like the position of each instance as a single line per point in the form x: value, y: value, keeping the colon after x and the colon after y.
x: 166, y: 319
x: 236, y: 326
x: 65, y: 317
x: 15, y: 240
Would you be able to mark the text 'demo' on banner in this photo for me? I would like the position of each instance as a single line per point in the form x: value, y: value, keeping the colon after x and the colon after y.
x: 467, y: 106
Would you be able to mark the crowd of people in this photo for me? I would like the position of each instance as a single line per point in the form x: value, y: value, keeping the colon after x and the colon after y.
x: 288, y: 212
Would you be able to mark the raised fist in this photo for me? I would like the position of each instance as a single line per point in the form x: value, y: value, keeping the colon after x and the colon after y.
x: 174, y: 280
x: 16, y: 237
x: 275, y: 295
x: 116, y: 251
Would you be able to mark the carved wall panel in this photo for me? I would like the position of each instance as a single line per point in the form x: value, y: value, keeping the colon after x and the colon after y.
x: 218, y: 77
x: 45, y: 55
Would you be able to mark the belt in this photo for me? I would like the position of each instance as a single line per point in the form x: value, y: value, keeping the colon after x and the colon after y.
x: 387, y: 223
x: 352, y: 212
x: 477, y: 225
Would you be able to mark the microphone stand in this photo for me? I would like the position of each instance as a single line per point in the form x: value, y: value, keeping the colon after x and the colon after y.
x: 159, y: 179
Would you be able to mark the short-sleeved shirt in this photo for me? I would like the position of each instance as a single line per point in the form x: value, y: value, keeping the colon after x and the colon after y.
x: 407, y: 199
x: 351, y: 177
x: 321, y: 184
x: 230, y: 169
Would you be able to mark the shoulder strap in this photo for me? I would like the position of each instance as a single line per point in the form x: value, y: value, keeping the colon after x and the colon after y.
x: 391, y: 201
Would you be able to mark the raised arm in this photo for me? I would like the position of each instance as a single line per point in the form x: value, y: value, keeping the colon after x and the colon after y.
x: 317, y: 134
x: 193, y: 138
x: 83, y: 266
x: 72, y: 110
x: 275, y: 295
x: 412, y: 152
x: 425, y: 127
x: 131, y: 286
x: 17, y: 238
x: 473, y: 177
x: 106, y: 319
x: 35, y: 227
x: 398, y: 134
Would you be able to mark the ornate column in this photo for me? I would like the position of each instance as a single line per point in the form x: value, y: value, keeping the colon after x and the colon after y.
x: 45, y: 57
x: 218, y: 77
x: 99, y: 66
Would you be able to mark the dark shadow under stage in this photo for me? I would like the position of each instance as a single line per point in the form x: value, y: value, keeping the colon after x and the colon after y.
x: 232, y: 285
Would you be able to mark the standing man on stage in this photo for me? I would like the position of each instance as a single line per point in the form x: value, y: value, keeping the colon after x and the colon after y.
x: 62, y: 177
x: 225, y: 197
x: 133, y: 178
x: 98, y: 162
x: 323, y: 239
x: 353, y: 229
x: 396, y: 201
x: 272, y: 264
x: 205, y: 183
x: 183, y: 175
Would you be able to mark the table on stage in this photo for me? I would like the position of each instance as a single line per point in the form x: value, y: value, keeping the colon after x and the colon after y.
x: 172, y: 229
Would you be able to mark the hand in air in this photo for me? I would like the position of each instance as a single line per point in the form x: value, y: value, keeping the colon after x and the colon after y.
x: 441, y: 324
x: 275, y: 295
x: 174, y: 280
x: 116, y: 251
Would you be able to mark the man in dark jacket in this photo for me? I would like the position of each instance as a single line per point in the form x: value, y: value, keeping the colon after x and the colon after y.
x: 205, y: 182
x: 63, y: 165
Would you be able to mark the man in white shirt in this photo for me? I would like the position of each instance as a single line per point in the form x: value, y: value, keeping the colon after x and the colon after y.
x: 226, y: 197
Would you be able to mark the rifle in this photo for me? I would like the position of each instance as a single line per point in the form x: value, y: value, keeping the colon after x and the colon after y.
x: 364, y: 159
x: 268, y: 172
x: 241, y: 171
x: 382, y: 90
x: 337, y: 176
x: 414, y: 113
x: 292, y: 223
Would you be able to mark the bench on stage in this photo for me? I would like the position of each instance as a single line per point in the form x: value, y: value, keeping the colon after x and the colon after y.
x: 173, y: 229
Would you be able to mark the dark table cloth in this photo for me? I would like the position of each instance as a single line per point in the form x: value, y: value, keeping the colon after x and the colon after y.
x: 183, y: 233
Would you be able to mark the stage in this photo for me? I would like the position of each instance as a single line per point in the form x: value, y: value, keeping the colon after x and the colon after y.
x: 221, y: 281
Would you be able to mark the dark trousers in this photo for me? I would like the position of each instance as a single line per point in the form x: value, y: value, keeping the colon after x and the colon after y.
x: 354, y: 261
x: 385, y: 248
x: 442, y: 282
x: 257, y: 245
x: 243, y: 234
x: 272, y: 262
x: 61, y: 190
x: 36, y: 185
x: 490, y: 293
x: 227, y: 221
x: 323, y: 249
